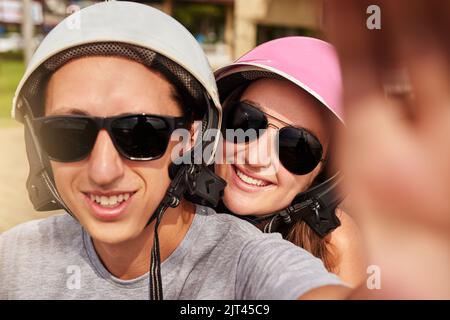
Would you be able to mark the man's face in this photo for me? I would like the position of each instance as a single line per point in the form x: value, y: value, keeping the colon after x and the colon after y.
x: 104, y: 87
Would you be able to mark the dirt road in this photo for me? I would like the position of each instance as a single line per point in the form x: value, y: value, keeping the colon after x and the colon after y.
x: 14, y: 204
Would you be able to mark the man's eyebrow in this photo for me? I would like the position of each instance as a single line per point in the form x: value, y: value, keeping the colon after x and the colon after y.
x: 68, y: 111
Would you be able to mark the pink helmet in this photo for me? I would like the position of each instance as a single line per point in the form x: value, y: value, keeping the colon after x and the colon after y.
x: 311, y: 64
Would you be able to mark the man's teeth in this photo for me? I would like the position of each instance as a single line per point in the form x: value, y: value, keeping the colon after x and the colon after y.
x: 110, y: 201
x: 250, y: 180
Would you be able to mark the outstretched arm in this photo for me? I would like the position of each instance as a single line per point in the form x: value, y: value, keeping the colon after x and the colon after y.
x: 395, y: 153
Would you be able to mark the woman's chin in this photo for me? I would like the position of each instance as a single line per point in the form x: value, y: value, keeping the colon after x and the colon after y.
x: 242, y: 205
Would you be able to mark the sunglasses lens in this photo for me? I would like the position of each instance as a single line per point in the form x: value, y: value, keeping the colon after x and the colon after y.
x: 243, y: 122
x: 67, y: 139
x: 141, y: 137
x: 299, y: 151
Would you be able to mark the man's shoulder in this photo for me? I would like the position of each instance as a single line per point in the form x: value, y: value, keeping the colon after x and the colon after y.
x: 36, y: 252
x: 237, y: 229
x: 35, y: 232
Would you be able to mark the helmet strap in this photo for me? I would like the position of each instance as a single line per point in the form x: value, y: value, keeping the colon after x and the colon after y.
x: 195, y: 182
x: 40, y: 183
x: 317, y: 207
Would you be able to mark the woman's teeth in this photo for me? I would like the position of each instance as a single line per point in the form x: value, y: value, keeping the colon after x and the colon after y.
x: 250, y: 180
x: 110, y: 201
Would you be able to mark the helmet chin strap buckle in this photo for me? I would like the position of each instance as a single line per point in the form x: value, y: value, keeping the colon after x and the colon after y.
x: 174, y: 201
x: 321, y: 218
x: 197, y: 183
x: 204, y: 187
x: 286, y: 214
x: 315, y: 207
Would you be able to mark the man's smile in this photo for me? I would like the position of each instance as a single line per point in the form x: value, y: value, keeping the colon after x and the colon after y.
x: 108, y: 206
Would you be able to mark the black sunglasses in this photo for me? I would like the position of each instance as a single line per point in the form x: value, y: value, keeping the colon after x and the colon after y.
x: 136, y: 137
x: 299, y: 150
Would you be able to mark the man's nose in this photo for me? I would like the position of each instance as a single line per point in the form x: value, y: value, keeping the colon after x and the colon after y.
x: 105, y: 164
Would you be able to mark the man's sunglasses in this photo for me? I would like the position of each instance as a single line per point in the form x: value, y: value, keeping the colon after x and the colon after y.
x: 136, y: 137
x: 299, y: 150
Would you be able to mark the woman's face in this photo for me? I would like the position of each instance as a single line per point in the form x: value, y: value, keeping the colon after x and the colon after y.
x: 257, y: 184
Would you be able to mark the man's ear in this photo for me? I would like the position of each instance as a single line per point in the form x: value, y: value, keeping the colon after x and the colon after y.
x: 195, y: 131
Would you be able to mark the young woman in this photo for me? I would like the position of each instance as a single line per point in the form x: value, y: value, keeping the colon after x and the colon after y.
x: 288, y: 91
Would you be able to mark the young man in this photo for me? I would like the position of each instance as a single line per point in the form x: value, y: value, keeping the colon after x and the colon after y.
x: 99, y: 104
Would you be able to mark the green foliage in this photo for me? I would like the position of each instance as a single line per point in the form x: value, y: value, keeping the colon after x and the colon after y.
x: 11, y: 70
x: 201, y: 19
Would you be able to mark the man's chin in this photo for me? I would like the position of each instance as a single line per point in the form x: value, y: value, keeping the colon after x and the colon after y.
x: 113, y: 233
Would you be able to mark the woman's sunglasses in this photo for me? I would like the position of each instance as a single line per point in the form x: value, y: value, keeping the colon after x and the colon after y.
x: 299, y: 150
x: 136, y: 137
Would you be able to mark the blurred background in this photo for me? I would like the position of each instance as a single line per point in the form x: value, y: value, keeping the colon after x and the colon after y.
x: 226, y: 29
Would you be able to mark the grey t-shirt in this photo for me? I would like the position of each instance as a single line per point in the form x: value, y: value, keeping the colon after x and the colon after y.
x: 221, y: 257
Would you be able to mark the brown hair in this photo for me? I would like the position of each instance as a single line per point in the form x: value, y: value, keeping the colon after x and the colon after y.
x: 303, y: 236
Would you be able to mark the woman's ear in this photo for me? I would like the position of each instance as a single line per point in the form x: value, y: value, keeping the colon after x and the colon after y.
x: 317, y: 175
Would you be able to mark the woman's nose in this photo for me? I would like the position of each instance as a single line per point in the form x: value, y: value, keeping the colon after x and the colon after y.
x: 261, y: 152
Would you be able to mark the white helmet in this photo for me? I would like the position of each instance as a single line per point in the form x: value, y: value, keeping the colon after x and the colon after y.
x: 136, y: 31
x: 146, y: 35
x: 128, y: 25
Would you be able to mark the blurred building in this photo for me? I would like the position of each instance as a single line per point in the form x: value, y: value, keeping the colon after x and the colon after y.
x: 11, y: 17
x: 226, y: 29
x: 243, y: 24
x: 258, y: 21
